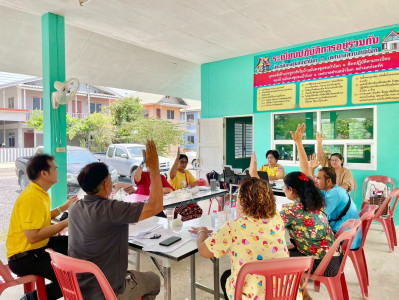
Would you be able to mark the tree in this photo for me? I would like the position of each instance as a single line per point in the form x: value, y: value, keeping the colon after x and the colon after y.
x: 36, y: 120
x: 164, y: 133
x: 96, y: 127
x: 126, y: 110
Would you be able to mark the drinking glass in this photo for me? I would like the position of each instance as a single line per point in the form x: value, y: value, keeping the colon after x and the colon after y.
x: 170, y: 214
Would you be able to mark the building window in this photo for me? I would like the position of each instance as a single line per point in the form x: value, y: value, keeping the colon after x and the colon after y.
x: 349, y: 132
x: 190, y: 117
x: 11, y: 139
x: 170, y: 114
x: 158, y: 112
x: 190, y: 139
x: 146, y: 113
x: 37, y: 103
x: 11, y: 102
x: 242, y: 140
x: 95, y: 108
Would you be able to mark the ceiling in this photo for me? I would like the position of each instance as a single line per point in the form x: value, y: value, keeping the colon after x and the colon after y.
x: 158, y: 46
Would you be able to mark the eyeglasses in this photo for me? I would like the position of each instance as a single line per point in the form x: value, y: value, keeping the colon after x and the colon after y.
x: 183, y: 162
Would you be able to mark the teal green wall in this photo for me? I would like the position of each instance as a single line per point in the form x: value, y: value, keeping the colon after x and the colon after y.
x: 227, y: 90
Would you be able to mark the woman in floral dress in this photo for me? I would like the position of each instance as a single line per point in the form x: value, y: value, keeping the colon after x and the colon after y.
x: 306, y: 222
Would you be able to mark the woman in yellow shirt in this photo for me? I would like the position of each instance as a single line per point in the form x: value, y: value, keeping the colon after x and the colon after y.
x: 274, y: 170
x: 179, y: 177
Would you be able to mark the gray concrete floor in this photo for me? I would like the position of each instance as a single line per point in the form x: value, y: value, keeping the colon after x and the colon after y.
x: 383, y: 265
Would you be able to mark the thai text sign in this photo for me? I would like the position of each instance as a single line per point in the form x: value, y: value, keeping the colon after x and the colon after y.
x: 365, y: 52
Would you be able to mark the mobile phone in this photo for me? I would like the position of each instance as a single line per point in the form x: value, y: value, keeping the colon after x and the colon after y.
x: 170, y: 241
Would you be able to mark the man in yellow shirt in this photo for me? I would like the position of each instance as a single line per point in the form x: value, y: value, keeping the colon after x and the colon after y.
x: 30, y: 230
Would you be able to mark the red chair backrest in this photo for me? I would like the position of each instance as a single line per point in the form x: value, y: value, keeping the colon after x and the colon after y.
x: 66, y: 268
x: 387, y: 202
x: 378, y: 178
x: 346, y: 234
x: 366, y: 216
x: 285, y: 273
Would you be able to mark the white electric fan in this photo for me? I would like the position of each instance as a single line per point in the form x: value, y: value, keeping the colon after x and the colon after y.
x: 65, y: 92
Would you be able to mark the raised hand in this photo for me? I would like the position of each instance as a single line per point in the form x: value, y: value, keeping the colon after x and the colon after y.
x: 297, y: 136
x: 253, y: 167
x: 178, y: 153
x: 313, y: 161
x: 319, y: 137
x: 152, y: 156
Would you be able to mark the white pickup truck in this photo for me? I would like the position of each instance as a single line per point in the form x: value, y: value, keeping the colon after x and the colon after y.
x: 126, y: 158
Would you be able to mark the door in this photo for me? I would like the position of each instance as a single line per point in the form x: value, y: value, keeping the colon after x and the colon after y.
x: 211, y: 148
x: 29, y: 140
x: 239, y: 141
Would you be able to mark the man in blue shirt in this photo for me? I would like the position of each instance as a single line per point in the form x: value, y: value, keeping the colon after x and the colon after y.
x: 339, y: 206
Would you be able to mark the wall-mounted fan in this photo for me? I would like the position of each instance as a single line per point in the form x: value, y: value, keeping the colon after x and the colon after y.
x: 65, y: 92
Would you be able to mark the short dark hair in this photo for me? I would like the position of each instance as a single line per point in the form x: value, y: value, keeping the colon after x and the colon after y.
x: 257, y: 198
x: 38, y: 163
x: 91, y: 176
x: 183, y: 156
x: 274, y: 153
x: 339, y: 156
x: 309, y: 195
x: 329, y: 173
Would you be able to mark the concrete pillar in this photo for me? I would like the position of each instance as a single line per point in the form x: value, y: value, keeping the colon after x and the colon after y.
x: 54, y: 127
x: 20, y: 136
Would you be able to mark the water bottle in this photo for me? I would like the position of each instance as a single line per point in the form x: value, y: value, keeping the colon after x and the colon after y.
x: 215, y: 219
x: 227, y: 212
x: 234, y: 211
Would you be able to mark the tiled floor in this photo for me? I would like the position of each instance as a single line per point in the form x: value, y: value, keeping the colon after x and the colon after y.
x: 383, y: 272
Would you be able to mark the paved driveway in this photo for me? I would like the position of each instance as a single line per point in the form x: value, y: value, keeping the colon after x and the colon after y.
x: 9, y: 191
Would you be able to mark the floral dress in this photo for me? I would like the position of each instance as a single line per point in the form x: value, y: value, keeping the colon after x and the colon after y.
x: 245, y: 240
x: 310, y: 230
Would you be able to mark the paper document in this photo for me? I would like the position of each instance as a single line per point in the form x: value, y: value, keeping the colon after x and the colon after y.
x: 142, y: 227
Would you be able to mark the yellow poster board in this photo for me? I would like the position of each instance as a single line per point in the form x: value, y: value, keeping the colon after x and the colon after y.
x: 320, y: 93
x: 276, y: 97
x: 375, y: 88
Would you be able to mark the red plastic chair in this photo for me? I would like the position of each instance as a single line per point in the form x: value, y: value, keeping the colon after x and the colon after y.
x: 66, y: 268
x: 387, y: 221
x: 336, y: 285
x: 9, y: 279
x: 357, y: 256
x: 283, y: 276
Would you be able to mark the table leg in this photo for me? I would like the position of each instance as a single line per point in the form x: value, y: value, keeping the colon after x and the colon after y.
x: 215, y: 278
x: 167, y: 284
x: 193, y: 280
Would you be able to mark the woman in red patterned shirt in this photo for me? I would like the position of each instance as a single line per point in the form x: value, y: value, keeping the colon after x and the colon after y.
x: 306, y: 222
